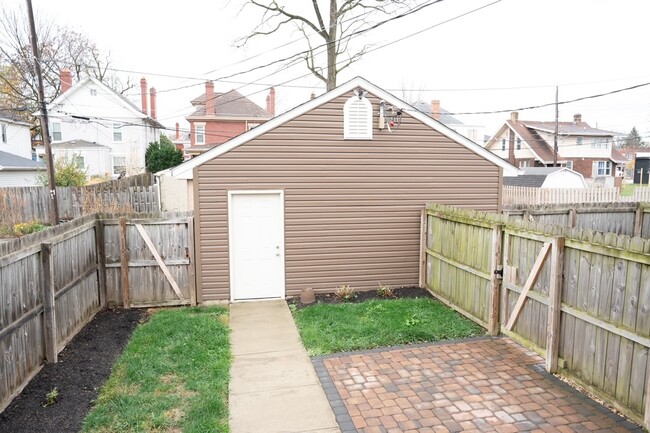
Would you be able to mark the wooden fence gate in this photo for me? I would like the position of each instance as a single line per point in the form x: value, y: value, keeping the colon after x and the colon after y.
x: 579, y: 298
x: 150, y: 262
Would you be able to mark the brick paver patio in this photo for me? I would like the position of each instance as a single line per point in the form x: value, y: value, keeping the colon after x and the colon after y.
x: 480, y: 385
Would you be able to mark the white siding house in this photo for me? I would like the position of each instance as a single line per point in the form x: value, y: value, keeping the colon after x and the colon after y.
x: 105, y: 132
x: 16, y: 165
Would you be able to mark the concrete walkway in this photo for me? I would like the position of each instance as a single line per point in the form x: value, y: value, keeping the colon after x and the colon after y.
x: 273, y: 385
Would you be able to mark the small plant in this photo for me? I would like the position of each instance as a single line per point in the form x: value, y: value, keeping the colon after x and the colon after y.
x: 50, y: 397
x: 22, y: 229
x: 345, y: 293
x: 412, y: 321
x: 385, y: 291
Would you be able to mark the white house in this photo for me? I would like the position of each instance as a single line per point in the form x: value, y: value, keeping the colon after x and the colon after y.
x: 16, y: 165
x: 101, y: 129
x: 474, y: 132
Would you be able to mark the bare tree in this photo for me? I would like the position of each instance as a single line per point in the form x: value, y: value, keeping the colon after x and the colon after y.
x: 346, y: 19
x: 60, y: 48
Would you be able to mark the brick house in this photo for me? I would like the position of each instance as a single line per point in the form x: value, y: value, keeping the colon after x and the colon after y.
x: 218, y: 117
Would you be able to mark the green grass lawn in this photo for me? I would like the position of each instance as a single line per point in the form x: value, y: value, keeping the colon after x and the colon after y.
x: 172, y: 376
x: 331, y: 328
x: 628, y: 188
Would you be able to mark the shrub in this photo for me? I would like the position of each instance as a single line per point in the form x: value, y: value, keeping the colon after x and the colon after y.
x: 385, y: 291
x: 162, y: 155
x: 345, y: 293
x: 22, y: 229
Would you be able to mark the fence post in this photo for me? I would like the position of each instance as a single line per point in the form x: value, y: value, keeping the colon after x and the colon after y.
x: 638, y: 220
x: 49, y: 311
x: 423, y: 249
x: 646, y: 418
x: 124, y: 264
x: 554, y: 304
x: 101, y: 262
x: 573, y: 217
x: 495, y: 281
x: 190, y: 253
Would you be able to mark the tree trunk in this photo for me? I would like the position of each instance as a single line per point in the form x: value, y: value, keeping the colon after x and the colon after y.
x: 331, y: 46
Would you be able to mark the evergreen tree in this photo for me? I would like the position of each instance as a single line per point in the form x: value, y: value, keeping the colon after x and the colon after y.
x: 633, y: 139
x: 161, y: 155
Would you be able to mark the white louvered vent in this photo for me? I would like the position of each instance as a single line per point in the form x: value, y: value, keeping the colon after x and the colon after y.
x: 357, y: 119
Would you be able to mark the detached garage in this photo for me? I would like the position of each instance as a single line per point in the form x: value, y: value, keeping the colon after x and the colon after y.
x: 329, y: 193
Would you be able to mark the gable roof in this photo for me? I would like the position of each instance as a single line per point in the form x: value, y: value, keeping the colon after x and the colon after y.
x: 77, y: 144
x: 230, y: 104
x: 9, y: 161
x: 117, y: 97
x: 568, y: 128
x: 185, y: 170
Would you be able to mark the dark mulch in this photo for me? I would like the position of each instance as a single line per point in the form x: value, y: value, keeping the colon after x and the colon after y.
x: 83, y: 367
x: 331, y: 298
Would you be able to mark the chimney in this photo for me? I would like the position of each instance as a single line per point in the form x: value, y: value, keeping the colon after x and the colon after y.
x: 152, y: 93
x: 143, y: 95
x: 66, y: 80
x: 577, y: 118
x: 270, y: 101
x: 210, y: 104
x: 435, y: 109
x: 514, y: 116
x: 178, y: 131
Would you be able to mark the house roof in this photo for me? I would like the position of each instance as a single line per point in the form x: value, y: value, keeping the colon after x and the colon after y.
x: 185, y: 170
x: 8, y: 116
x: 534, y: 177
x: 9, y: 161
x: 535, y: 141
x: 230, y: 104
x: 119, y: 98
x: 77, y: 144
x: 568, y: 128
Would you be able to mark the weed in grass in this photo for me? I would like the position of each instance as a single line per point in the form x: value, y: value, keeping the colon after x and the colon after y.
x: 345, y: 293
x: 50, y: 397
x: 412, y: 321
x: 385, y: 291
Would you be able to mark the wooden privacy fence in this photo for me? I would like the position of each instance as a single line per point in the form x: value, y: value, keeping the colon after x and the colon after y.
x: 520, y: 195
x: 579, y: 297
x: 22, y: 204
x: 53, y: 282
x: 632, y: 219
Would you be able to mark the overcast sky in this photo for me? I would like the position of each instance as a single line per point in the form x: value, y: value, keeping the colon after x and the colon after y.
x: 507, y: 55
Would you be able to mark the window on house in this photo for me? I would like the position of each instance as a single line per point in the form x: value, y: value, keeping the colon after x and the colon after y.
x: 600, y: 143
x: 80, y: 162
x: 253, y: 125
x: 117, y: 132
x: 119, y: 165
x: 603, y: 168
x: 579, y: 141
x: 93, y: 92
x: 56, y: 131
x: 523, y: 163
x: 503, y: 144
x: 357, y: 119
x: 3, y: 133
x: 518, y: 143
x: 199, y: 134
x: 569, y: 165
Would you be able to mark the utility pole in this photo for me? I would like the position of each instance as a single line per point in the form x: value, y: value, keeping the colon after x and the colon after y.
x: 557, y: 118
x: 45, y: 130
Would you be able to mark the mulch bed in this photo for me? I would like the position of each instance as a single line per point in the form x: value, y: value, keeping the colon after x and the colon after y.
x: 83, y: 367
x: 331, y: 298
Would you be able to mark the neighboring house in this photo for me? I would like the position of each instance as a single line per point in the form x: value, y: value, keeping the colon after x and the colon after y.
x: 547, y: 177
x: 181, y: 140
x: 323, y: 196
x: 587, y: 150
x: 105, y: 132
x: 15, y: 136
x: 473, y: 132
x: 218, y: 117
x: 18, y: 171
x: 642, y: 168
x: 17, y: 167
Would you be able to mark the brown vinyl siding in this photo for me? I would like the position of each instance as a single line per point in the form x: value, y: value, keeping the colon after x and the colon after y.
x: 352, y: 207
